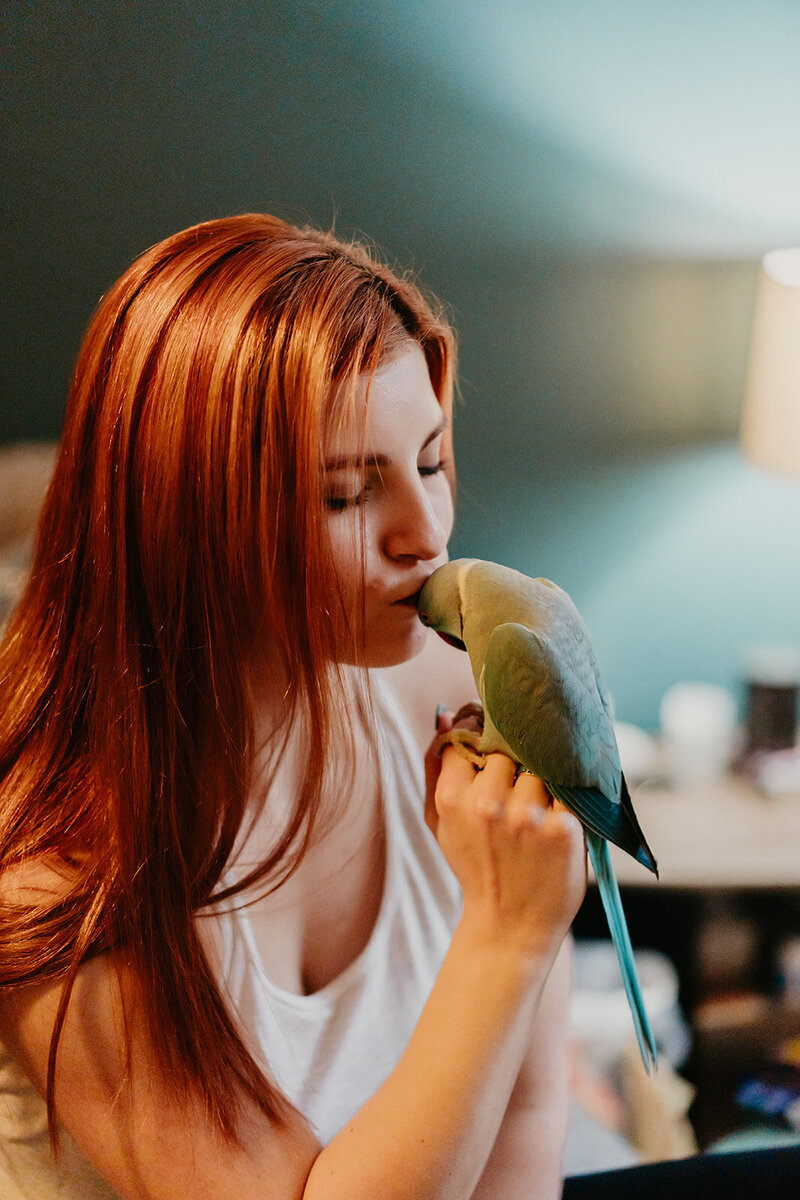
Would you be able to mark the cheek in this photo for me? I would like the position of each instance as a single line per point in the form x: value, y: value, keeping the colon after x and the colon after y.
x: 444, y: 508
x: 345, y: 540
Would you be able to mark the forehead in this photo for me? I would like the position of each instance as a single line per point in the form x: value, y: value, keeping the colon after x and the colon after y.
x: 396, y: 401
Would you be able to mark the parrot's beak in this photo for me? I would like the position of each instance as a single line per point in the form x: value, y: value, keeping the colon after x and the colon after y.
x: 451, y: 641
x: 426, y: 619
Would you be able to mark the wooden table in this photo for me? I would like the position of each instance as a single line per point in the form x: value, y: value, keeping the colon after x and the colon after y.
x: 715, y: 833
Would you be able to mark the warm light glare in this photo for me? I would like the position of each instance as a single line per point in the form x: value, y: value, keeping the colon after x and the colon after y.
x: 784, y: 266
x: 771, y: 418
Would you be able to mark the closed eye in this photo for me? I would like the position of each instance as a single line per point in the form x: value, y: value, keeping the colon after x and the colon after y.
x: 340, y: 503
x: 435, y: 470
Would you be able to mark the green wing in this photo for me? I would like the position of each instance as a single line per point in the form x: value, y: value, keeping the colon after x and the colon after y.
x: 549, y: 707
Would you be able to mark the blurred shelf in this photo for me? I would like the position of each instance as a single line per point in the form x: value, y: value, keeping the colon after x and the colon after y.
x: 731, y: 1041
x: 715, y: 833
x: 726, y: 853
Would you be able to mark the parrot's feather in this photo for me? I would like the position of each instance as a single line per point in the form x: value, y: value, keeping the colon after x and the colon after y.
x: 609, y: 894
x: 644, y: 854
x: 537, y: 702
x: 604, y: 818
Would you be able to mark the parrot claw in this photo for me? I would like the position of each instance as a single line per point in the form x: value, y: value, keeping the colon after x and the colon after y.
x: 471, y: 711
x: 465, y: 743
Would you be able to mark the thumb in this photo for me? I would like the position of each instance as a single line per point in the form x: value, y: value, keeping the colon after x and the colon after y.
x: 433, y: 765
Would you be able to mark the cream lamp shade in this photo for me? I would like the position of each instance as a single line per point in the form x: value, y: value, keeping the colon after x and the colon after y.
x: 770, y: 433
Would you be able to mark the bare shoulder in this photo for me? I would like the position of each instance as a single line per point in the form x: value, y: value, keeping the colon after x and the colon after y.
x: 440, y: 674
x: 120, y: 1110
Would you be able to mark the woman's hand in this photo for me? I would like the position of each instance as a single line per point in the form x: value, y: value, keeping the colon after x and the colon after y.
x: 520, y: 859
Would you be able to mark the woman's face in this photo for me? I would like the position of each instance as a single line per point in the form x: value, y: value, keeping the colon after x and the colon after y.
x: 387, y: 483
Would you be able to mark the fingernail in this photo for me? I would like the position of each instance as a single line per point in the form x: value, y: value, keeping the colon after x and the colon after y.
x: 441, y: 709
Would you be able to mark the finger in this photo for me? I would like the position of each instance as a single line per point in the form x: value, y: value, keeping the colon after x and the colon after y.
x: 568, y: 820
x: 533, y: 790
x: 458, y: 767
x: 468, y: 722
x: 500, y: 770
x: 445, y: 719
x: 568, y: 823
x: 493, y: 787
x: 473, y: 708
x: 433, y: 765
x: 525, y: 809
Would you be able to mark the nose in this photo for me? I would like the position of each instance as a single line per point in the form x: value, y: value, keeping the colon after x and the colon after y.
x: 418, y: 530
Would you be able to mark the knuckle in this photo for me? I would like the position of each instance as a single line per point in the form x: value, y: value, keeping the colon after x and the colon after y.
x: 446, y: 797
x: 518, y: 815
x: 536, y: 816
x: 532, y: 784
x: 487, y: 813
x: 542, y: 791
x: 565, y: 830
x: 488, y: 799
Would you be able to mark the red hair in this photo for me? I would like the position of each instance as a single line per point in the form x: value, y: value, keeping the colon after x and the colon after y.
x: 185, y: 505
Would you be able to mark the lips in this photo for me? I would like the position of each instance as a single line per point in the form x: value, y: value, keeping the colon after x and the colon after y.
x: 409, y: 601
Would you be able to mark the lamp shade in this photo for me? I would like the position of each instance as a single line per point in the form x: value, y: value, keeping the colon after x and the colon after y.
x: 770, y: 434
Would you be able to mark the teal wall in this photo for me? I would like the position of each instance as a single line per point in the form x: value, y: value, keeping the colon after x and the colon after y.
x: 588, y: 184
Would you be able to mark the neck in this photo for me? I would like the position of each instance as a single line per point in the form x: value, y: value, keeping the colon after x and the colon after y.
x: 286, y: 744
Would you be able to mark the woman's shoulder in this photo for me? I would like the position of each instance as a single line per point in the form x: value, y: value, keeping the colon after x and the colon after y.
x: 438, y: 675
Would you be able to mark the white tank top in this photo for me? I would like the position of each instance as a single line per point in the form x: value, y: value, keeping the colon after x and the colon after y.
x: 328, y: 1051
x: 331, y: 1050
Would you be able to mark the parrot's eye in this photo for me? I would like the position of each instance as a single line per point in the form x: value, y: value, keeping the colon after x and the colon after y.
x: 423, y: 616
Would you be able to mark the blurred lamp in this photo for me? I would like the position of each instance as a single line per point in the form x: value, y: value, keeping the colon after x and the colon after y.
x: 770, y: 434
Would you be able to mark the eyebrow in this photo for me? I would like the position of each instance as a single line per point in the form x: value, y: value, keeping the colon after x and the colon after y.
x: 344, y: 461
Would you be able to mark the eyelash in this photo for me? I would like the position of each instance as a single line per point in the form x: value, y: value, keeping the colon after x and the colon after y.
x: 440, y: 466
x: 341, y: 503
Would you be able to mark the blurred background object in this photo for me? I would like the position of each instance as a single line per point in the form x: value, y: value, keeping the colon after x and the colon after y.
x: 698, y: 729
x: 25, y: 471
x: 622, y: 1115
x: 771, y: 417
x: 772, y: 678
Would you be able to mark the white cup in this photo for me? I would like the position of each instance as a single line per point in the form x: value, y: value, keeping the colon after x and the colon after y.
x: 698, y: 730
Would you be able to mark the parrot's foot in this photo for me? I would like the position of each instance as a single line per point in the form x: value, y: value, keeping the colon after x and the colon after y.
x: 464, y: 742
x: 472, y: 712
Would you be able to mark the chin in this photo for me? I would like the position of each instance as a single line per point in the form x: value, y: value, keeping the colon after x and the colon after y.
x: 390, y: 652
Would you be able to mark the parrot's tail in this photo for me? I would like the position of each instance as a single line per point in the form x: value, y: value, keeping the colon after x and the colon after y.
x: 609, y: 894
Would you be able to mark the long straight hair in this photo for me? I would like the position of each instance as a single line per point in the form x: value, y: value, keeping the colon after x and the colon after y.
x: 183, y: 525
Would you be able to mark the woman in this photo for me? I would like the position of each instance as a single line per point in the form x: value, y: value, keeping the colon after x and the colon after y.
x: 234, y: 963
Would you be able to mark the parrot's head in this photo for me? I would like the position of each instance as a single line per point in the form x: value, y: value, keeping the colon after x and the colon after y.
x: 439, y: 604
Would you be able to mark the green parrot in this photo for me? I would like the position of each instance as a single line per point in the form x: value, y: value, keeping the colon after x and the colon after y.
x: 546, y: 708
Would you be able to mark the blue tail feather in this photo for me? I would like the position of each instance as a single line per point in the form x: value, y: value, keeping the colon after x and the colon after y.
x: 609, y: 894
